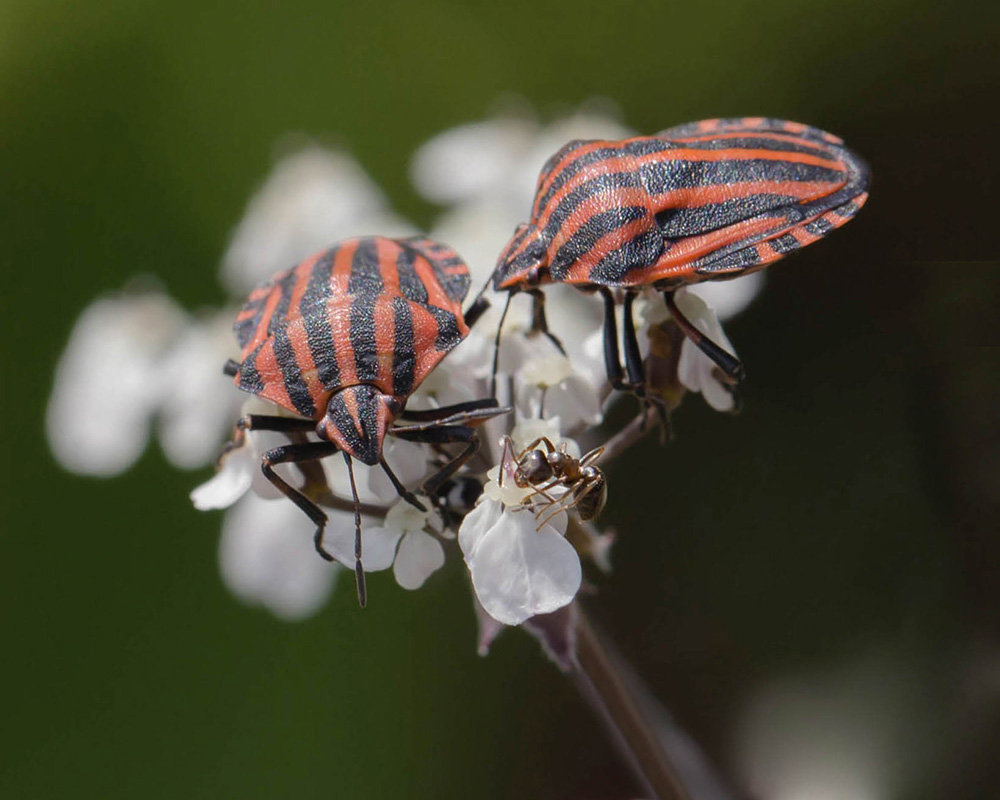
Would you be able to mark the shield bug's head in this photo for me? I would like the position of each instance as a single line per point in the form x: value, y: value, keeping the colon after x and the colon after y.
x: 523, y: 261
x: 357, y: 419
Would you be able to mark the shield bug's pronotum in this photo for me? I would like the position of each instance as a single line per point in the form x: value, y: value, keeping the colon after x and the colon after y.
x: 558, y: 481
x: 704, y: 201
x: 342, y: 340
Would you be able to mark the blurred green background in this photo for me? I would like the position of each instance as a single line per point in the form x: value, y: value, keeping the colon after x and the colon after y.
x: 850, y: 515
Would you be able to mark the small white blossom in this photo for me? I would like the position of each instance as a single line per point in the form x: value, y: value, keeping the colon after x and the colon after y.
x: 267, y: 558
x: 199, y: 404
x: 729, y: 298
x: 312, y: 198
x: 418, y: 556
x: 695, y: 370
x: 517, y: 570
x: 230, y: 482
x: 108, y: 383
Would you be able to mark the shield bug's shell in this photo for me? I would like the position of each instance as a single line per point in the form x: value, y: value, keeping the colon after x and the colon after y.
x: 703, y: 201
x: 342, y: 340
x: 374, y: 311
x: 711, y: 199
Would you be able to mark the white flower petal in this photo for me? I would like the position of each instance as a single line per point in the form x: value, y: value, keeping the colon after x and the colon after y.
x: 267, y: 558
x: 470, y: 160
x: 108, y: 383
x: 378, y: 544
x: 729, y: 298
x: 518, y: 571
x: 311, y: 199
x: 199, y: 403
x: 404, y: 516
x: 419, y: 555
x: 483, y: 517
x: 695, y: 370
x: 229, y: 484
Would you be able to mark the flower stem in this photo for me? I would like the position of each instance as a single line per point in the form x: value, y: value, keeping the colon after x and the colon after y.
x: 664, y: 759
x: 640, y: 425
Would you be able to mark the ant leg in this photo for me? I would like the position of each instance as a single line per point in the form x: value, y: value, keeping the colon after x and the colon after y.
x: 592, y: 456
x: 730, y: 365
x: 538, y: 322
x: 290, y: 454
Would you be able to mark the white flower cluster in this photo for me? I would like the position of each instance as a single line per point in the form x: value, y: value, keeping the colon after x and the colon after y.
x: 136, y: 359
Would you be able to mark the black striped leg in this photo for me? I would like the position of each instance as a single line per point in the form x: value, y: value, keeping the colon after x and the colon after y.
x: 538, y: 322
x: 359, y: 571
x: 496, y: 347
x: 291, y: 454
x: 401, y: 490
x: 635, y: 367
x: 435, y: 433
x: 730, y: 365
x: 442, y: 413
x: 264, y: 422
x: 633, y: 358
x: 612, y: 363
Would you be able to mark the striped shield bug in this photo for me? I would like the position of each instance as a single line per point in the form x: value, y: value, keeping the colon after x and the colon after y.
x: 703, y: 201
x: 342, y: 340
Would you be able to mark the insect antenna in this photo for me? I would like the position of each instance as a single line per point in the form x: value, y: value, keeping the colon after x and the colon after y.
x: 359, y: 571
x: 479, y: 307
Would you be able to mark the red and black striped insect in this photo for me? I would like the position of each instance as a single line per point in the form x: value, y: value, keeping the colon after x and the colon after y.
x: 703, y: 201
x: 342, y: 340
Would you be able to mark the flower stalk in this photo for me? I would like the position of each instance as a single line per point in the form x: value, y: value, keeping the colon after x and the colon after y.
x: 665, y: 761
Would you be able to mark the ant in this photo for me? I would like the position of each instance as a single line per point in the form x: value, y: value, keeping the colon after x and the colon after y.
x: 545, y: 470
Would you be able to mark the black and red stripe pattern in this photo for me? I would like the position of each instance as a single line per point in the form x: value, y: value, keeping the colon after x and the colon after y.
x: 365, y: 320
x: 709, y: 199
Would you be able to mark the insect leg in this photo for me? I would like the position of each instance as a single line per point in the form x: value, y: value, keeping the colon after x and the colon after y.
x: 496, y: 347
x: 401, y: 490
x: 592, y: 456
x: 264, y: 422
x: 564, y: 503
x: 612, y: 363
x: 538, y: 322
x: 290, y: 454
x: 443, y: 434
x: 438, y: 414
x: 633, y: 358
x: 730, y: 365
x: 359, y: 571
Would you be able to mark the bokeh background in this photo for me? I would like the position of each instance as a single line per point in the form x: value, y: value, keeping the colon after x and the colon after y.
x: 811, y: 588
